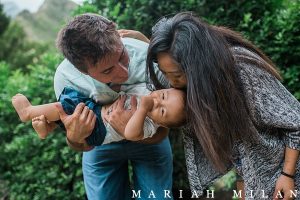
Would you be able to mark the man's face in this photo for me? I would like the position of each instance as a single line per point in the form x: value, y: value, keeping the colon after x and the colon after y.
x: 113, y: 68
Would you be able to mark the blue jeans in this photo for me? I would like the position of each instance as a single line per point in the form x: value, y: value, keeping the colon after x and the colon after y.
x: 105, y: 170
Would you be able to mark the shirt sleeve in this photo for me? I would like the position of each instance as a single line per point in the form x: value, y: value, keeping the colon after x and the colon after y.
x: 150, y: 127
x: 271, y: 105
x: 111, y: 135
x: 60, y: 81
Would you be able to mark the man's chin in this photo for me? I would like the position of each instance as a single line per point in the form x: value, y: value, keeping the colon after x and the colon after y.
x: 121, y: 80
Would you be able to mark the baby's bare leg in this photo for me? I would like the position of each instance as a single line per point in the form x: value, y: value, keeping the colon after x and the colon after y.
x: 21, y: 104
x: 42, y: 126
x: 27, y: 112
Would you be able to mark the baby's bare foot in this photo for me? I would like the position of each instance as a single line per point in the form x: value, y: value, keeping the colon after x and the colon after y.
x: 21, y: 104
x: 40, y: 125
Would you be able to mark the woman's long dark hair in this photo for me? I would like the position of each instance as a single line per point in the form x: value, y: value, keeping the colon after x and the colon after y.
x: 216, y: 107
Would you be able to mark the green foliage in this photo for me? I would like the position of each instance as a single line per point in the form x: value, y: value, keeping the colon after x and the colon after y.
x: 179, y: 170
x: 34, y: 168
x: 85, y: 8
x: 291, y: 78
x: 225, y: 183
x: 231, y: 13
x: 17, y: 50
x: 142, y: 14
x: 4, y: 20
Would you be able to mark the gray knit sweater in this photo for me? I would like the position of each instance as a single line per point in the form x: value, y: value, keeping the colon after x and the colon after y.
x: 276, y: 115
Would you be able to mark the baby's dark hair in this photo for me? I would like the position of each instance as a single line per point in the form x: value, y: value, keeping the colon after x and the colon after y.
x: 182, y: 119
x: 181, y: 122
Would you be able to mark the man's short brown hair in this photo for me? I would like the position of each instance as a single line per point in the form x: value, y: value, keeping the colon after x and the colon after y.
x: 87, y: 39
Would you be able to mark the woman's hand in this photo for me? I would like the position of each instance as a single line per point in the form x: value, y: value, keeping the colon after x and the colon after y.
x: 133, y: 34
x: 284, y: 186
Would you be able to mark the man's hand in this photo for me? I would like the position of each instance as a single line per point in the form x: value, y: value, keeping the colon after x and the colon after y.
x: 79, y: 125
x: 118, y: 116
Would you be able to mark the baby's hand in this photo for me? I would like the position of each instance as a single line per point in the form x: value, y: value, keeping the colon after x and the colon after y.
x: 129, y: 33
x: 147, y: 103
x: 133, y: 34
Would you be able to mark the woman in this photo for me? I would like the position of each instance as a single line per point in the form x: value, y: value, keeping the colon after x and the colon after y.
x: 239, y: 113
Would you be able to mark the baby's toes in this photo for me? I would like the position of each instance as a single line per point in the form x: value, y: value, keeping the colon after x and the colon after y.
x: 35, y: 119
x: 42, y: 118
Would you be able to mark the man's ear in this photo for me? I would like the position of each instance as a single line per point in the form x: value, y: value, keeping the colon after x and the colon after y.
x: 83, y: 72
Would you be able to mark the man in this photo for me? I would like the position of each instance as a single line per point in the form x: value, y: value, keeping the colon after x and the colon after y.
x: 97, y: 59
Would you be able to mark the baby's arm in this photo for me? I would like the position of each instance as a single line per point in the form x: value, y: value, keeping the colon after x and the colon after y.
x: 135, y: 127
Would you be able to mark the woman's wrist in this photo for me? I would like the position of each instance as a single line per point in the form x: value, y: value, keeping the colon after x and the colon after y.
x: 290, y: 161
x: 292, y: 176
x: 289, y: 170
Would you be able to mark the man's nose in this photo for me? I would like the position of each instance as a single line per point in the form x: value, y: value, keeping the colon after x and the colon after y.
x: 122, y: 70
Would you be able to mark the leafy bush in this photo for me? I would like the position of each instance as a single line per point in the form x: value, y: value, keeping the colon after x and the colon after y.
x: 17, y: 50
x: 34, y: 168
x: 4, y: 20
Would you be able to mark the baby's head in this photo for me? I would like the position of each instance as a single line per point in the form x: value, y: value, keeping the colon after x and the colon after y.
x: 169, y: 107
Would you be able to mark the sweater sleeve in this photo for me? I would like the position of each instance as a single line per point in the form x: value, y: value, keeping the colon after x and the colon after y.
x: 270, y: 104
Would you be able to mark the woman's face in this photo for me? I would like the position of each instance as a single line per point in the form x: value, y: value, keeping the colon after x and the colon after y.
x: 171, y: 70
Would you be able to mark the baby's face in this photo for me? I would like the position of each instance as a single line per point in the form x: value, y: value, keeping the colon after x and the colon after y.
x: 167, y: 107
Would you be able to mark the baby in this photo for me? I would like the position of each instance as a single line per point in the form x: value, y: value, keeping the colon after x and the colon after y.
x: 161, y: 108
